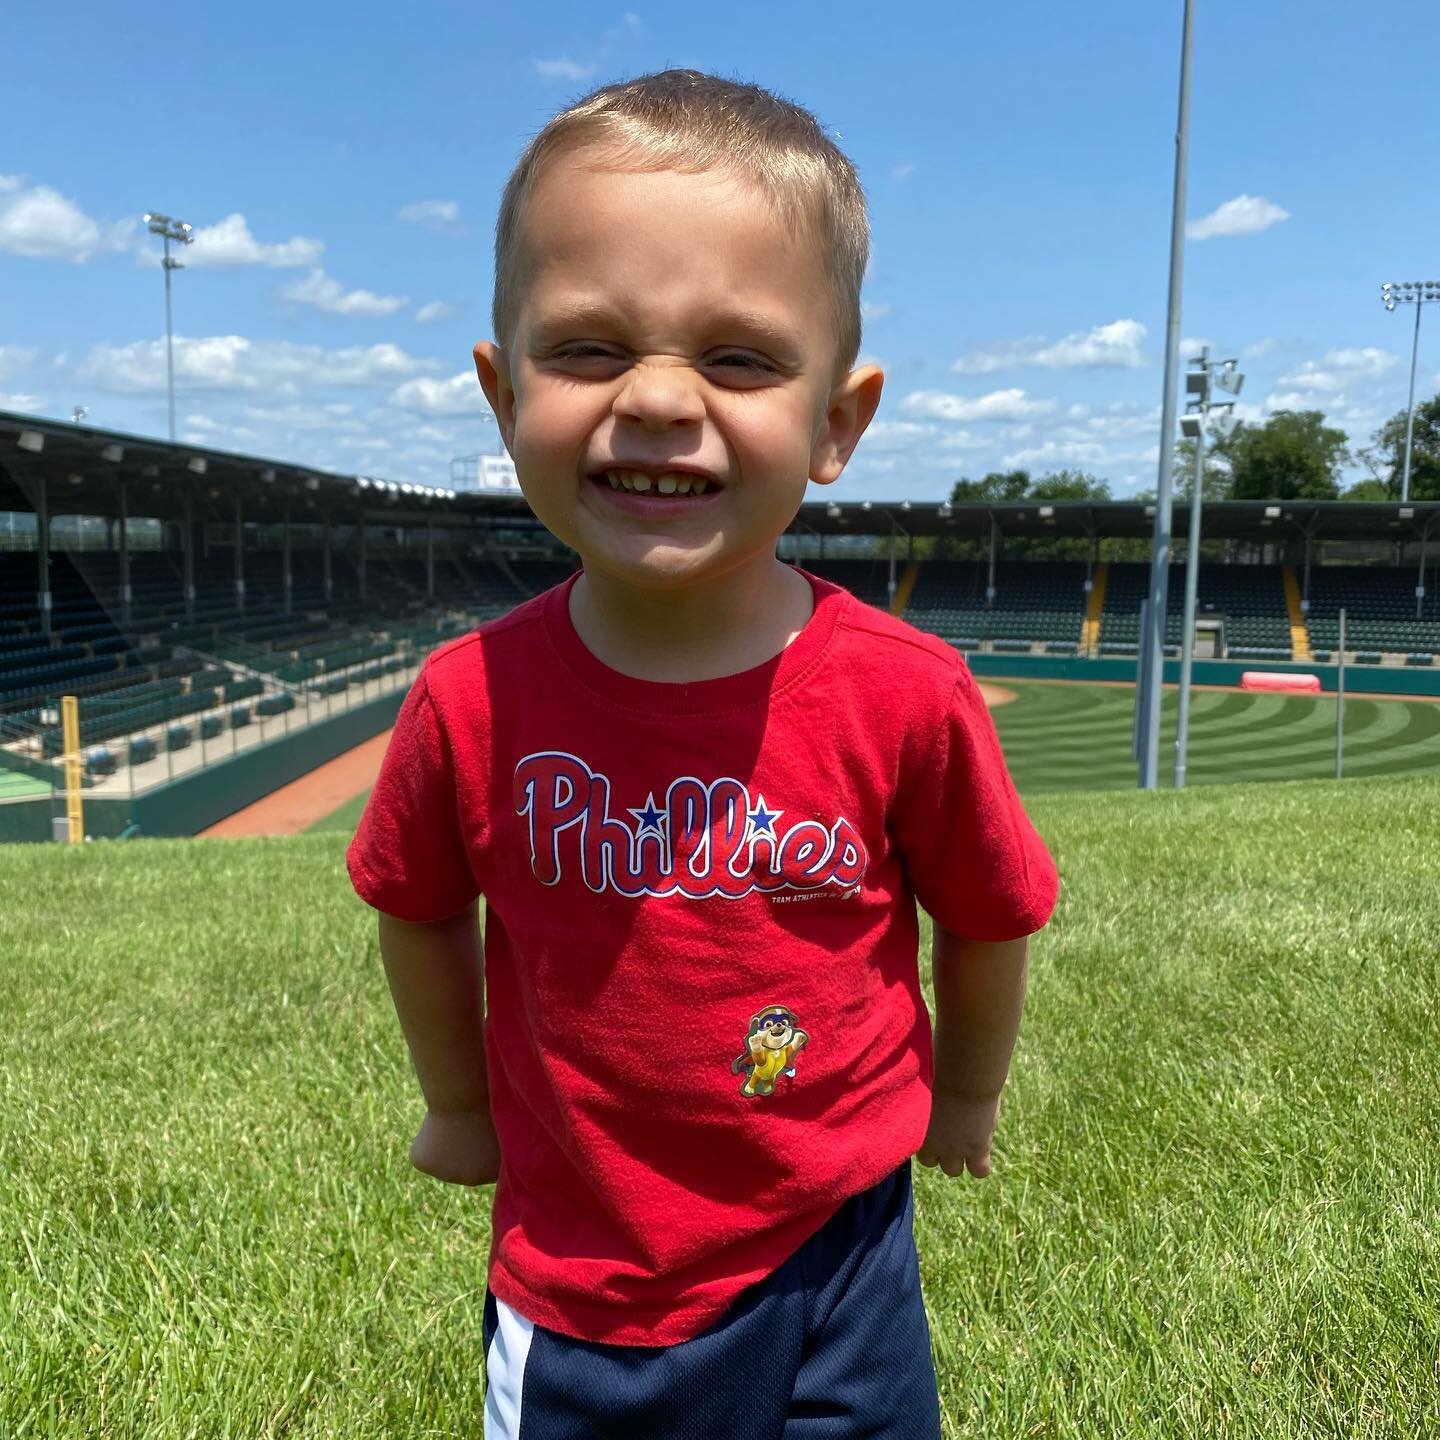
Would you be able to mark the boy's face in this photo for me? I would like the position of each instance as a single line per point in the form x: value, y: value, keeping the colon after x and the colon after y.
x: 670, y: 332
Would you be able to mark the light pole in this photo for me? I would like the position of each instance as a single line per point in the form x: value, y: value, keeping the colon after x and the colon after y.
x: 1152, y: 634
x: 1416, y: 293
x: 169, y: 229
x: 1198, y: 385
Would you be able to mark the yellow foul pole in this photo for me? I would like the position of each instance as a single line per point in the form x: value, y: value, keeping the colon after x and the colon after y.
x: 70, y: 723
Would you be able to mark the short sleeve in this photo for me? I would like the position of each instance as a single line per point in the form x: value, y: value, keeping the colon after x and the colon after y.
x: 408, y: 857
x: 974, y: 860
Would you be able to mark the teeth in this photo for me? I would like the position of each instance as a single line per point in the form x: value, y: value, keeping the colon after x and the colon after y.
x: 673, y: 484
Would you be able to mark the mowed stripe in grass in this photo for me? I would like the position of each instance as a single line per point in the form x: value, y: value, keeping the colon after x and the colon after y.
x: 1215, y: 1194
x: 1065, y: 737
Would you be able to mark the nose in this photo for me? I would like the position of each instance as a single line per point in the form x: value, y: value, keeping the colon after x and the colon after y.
x: 660, y: 397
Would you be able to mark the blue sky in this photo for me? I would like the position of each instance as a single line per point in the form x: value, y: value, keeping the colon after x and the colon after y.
x: 342, y: 165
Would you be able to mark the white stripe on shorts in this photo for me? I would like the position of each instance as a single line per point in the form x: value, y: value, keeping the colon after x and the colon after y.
x: 505, y: 1373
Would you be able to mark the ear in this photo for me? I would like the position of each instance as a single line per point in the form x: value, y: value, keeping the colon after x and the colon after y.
x: 852, y: 407
x: 494, y: 372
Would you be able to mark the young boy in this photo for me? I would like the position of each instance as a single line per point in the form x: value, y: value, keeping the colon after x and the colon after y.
x: 700, y: 791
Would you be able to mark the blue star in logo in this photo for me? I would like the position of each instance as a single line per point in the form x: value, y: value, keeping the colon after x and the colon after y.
x: 649, y: 817
x: 763, y: 820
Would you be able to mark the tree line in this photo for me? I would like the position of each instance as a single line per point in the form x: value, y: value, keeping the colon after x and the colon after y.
x: 1293, y: 455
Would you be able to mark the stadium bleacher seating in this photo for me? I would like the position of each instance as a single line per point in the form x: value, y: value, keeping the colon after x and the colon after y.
x: 1249, y: 599
x: 1379, y: 604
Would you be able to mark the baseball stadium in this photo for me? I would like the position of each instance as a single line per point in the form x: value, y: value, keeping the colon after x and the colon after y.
x: 205, y: 1099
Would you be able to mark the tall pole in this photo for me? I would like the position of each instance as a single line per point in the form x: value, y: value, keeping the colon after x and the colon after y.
x: 169, y: 339
x: 1152, y: 652
x: 1410, y: 410
x: 1340, y: 701
x: 169, y: 229
x: 1187, y: 640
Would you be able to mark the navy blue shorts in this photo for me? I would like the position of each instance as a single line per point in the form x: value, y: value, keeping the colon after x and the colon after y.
x: 834, y: 1345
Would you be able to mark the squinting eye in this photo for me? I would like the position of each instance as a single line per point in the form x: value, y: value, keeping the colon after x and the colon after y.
x: 742, y: 361
x: 584, y: 352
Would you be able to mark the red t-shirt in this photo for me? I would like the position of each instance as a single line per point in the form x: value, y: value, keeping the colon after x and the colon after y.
x: 704, y: 1027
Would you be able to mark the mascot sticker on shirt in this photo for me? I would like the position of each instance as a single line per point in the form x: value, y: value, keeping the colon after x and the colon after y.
x: 773, y: 1042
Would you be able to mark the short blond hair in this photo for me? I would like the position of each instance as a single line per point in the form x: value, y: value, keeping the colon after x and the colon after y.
x: 691, y: 122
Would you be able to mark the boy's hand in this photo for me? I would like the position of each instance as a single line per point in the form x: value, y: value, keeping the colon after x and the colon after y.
x: 458, y: 1146
x: 960, y: 1131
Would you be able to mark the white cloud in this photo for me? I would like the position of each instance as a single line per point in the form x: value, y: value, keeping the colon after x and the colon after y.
x: 1191, y: 348
x: 997, y: 405
x: 338, y: 418
x: 1058, y: 452
x: 435, y: 310
x: 43, y: 224
x: 1261, y: 347
x: 901, y: 173
x: 561, y: 68
x: 229, y: 242
x: 326, y: 293
x: 897, y: 435
x: 443, y: 215
x: 1119, y: 344
x: 1339, y: 369
x: 874, y: 309
x: 459, y: 395
x: 1244, y: 215
x: 236, y: 364
x: 24, y: 404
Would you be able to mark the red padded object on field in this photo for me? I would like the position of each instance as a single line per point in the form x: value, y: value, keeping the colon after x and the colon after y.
x: 1278, y: 680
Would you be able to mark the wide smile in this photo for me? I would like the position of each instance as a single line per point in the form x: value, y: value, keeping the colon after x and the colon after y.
x: 656, y: 493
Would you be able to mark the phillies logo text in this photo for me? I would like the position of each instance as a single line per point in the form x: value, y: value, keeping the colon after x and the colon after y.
x: 704, y: 840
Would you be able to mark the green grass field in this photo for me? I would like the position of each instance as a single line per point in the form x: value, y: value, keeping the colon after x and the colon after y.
x: 1077, y: 737
x: 1213, y: 1212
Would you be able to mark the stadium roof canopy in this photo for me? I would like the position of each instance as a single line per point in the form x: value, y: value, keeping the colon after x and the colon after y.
x: 83, y: 466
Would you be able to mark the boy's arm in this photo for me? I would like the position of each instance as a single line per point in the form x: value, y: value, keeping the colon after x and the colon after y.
x: 979, y: 995
x: 435, y: 974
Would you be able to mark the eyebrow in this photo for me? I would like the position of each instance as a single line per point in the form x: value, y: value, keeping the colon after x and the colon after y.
x: 586, y: 315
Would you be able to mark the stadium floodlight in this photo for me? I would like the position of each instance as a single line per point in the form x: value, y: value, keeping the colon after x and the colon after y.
x: 31, y: 440
x: 1417, y: 293
x: 168, y: 228
x: 833, y: 510
x: 1224, y: 421
x: 1230, y: 379
x: 113, y: 453
x: 196, y: 465
x: 1190, y: 426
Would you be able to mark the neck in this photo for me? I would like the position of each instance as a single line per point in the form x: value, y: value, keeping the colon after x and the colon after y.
x: 719, y: 627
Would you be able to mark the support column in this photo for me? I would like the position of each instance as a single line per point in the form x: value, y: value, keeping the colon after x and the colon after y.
x: 990, y: 584
x: 1305, y: 587
x: 124, y: 555
x: 42, y: 549
x: 329, y: 582
x: 239, y: 558
x: 285, y: 547
x: 362, y: 557
x: 1420, y: 582
x: 189, y: 555
x: 430, y: 560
